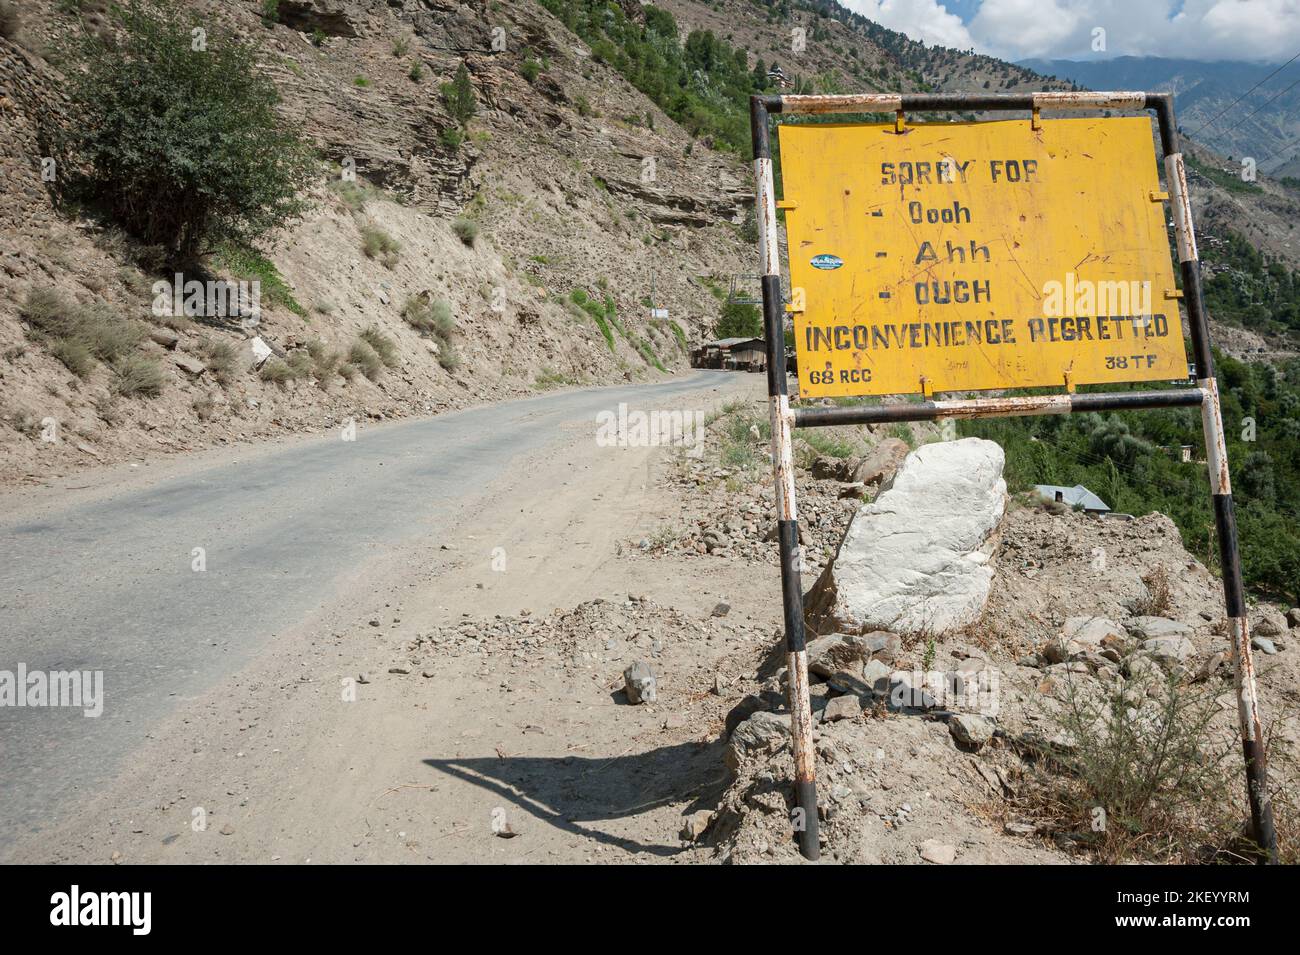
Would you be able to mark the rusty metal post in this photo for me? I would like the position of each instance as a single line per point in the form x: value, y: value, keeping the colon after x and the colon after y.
x: 782, y: 422
x: 1225, y: 522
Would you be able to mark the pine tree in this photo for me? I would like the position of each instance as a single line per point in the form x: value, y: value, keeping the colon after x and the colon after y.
x: 458, y: 95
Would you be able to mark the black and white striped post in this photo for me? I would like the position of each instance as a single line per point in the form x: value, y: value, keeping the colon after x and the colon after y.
x: 805, y: 816
x: 1225, y: 521
x: 1205, y: 394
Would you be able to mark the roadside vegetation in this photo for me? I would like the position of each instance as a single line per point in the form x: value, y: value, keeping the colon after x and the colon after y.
x: 1132, y: 460
x: 83, y: 337
x: 185, y: 152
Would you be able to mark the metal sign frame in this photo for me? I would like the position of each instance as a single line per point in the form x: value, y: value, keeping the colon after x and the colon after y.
x: 1204, y: 395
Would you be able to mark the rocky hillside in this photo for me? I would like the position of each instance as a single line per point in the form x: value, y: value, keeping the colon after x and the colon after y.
x: 573, y: 181
x: 519, y: 249
x: 985, y: 677
x: 1263, y: 126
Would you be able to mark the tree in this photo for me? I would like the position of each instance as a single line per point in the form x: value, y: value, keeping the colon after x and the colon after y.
x: 175, y: 132
x: 458, y: 96
x: 739, y: 321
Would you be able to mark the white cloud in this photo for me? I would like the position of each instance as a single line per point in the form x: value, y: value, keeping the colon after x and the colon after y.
x: 1016, y: 29
x: 923, y: 20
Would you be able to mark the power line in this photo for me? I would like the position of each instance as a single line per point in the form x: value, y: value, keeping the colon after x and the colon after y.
x: 1266, y: 102
x: 1225, y: 110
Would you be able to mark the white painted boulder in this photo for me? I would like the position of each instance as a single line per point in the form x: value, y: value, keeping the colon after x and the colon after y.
x: 916, y: 559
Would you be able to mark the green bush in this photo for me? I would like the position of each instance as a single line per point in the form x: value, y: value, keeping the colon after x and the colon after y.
x: 530, y: 70
x: 382, y: 345
x: 738, y: 320
x: 453, y: 137
x: 245, y: 262
x: 184, y: 148
x: 365, y: 360
x: 378, y: 244
x: 466, y: 230
x: 704, y: 83
x: 429, y: 315
x: 680, y: 335
x: 458, y: 96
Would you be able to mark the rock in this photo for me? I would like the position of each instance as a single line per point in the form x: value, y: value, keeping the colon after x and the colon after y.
x: 1263, y: 645
x: 1150, y: 628
x: 639, y: 682
x: 827, y: 468
x: 1144, y: 671
x: 932, y: 850
x: 846, y: 681
x: 696, y: 824
x: 1210, y: 666
x: 1091, y: 631
x: 762, y: 733
x: 189, y: 364
x: 916, y: 558
x: 1060, y: 650
x: 881, y: 462
x: 834, y: 653
x: 1169, y: 651
x: 905, y: 693
x: 721, y: 610
x: 1270, y: 623
x: 970, y: 730
x: 876, y: 674
x: 165, y: 337
x: 882, y: 644
x: 227, y: 829
x: 847, y: 707
x: 330, y: 17
x: 752, y: 703
x: 1293, y: 617
x: 254, y: 352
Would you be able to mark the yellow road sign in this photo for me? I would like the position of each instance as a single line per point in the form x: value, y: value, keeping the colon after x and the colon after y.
x: 977, y: 256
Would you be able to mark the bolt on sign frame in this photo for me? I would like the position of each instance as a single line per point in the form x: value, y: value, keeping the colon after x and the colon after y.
x: 1205, y: 396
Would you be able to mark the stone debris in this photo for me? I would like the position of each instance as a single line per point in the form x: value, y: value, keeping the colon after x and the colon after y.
x: 640, y: 684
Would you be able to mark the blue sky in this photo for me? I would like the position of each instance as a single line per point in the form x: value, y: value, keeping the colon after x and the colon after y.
x: 1259, y: 30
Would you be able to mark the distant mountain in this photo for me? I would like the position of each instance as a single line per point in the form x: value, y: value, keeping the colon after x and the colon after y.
x: 1205, y: 89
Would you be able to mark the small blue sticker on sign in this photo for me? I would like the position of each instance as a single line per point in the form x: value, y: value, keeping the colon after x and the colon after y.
x: 826, y: 261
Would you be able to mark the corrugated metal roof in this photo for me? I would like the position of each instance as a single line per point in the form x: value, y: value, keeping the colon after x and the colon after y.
x: 1074, y: 496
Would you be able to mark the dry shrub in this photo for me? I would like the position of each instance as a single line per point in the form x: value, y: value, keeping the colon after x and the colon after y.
x: 222, y: 359
x: 137, y: 376
x: 1152, y: 782
x: 382, y: 345
x: 1158, y: 599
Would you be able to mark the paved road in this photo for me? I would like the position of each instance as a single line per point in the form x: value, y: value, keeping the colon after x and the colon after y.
x: 109, y: 585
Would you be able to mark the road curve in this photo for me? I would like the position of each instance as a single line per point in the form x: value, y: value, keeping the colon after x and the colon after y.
x: 109, y: 585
